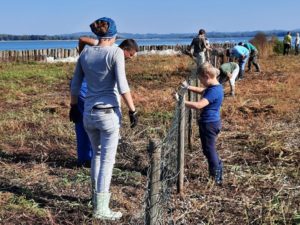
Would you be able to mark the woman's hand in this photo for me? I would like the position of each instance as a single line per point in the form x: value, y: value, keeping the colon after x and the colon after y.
x: 133, y: 118
x: 74, y: 114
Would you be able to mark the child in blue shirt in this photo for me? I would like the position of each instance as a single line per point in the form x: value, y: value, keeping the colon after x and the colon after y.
x: 210, y: 119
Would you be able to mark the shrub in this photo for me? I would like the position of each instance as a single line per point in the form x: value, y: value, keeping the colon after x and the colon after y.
x: 277, y: 45
x: 263, y: 45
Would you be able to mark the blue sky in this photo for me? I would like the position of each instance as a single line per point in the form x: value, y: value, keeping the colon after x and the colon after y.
x: 148, y: 16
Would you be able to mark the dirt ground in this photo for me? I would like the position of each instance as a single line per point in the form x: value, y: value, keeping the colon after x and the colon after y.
x: 259, y: 145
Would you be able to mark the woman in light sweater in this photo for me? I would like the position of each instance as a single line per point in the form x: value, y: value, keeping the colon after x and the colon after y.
x: 103, y: 67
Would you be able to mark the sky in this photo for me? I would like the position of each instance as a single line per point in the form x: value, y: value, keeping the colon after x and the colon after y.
x: 50, y: 17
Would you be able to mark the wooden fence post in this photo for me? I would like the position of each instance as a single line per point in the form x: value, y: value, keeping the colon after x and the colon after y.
x: 215, y: 61
x: 191, y: 97
x: 152, y: 209
x: 181, y: 146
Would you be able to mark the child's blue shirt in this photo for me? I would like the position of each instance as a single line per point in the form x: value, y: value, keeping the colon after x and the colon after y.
x: 211, y: 113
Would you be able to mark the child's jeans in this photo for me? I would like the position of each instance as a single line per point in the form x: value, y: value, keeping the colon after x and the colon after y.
x: 102, y: 127
x: 84, y: 148
x: 208, y: 134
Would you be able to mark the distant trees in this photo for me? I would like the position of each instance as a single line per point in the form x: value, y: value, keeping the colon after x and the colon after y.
x: 9, y: 37
x: 75, y: 36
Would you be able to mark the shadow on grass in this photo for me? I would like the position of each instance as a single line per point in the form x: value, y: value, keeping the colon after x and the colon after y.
x: 54, y: 159
x: 41, y: 197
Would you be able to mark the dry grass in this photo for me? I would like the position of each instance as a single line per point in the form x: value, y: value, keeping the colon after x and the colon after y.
x: 259, y: 144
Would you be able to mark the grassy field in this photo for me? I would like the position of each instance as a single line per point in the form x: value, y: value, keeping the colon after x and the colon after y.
x: 259, y: 144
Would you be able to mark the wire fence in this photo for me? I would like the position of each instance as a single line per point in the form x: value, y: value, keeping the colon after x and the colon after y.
x: 165, y: 176
x: 166, y: 172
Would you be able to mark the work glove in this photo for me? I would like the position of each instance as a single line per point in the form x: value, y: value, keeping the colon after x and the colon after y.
x: 183, y: 88
x: 176, y: 97
x: 74, y: 114
x: 133, y: 118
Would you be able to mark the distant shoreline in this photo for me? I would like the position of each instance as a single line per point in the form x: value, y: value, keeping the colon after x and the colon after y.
x: 75, y: 36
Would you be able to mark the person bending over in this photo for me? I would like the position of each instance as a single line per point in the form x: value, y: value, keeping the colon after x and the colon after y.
x: 253, y: 55
x: 229, y: 71
x: 242, y: 55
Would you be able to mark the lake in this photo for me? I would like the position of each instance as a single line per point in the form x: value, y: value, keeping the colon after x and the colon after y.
x: 69, y: 44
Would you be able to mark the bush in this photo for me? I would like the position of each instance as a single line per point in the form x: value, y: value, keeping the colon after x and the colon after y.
x: 277, y: 45
x: 263, y: 45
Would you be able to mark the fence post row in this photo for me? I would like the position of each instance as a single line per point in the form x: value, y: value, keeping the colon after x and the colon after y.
x: 42, y: 54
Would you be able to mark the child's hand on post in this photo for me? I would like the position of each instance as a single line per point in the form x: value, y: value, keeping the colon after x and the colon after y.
x: 183, y: 88
x: 176, y: 96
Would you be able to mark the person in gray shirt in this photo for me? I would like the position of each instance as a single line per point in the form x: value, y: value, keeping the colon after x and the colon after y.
x: 199, y: 45
x: 103, y: 67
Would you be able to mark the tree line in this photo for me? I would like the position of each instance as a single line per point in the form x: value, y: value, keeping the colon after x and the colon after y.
x: 75, y: 36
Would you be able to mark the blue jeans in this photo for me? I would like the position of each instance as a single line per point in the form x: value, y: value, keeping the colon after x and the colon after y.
x: 84, y: 148
x: 242, y: 65
x: 102, y: 127
x: 208, y: 134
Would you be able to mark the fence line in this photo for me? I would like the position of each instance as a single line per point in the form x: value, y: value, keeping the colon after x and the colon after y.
x: 42, y: 54
x: 167, y: 161
x: 160, y: 212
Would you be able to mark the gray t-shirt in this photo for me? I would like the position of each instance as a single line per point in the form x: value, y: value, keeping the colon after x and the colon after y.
x: 104, y: 72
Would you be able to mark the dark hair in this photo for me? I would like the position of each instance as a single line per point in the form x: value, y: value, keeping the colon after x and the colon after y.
x: 201, y: 31
x: 241, y: 43
x: 129, y: 44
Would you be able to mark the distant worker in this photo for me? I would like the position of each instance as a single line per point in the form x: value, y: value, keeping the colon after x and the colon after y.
x: 242, y: 55
x: 229, y: 71
x: 287, y: 43
x: 297, y: 40
x: 199, y: 45
x: 253, y: 55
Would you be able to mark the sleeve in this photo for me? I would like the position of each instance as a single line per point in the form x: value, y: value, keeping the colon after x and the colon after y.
x: 204, y: 42
x: 253, y: 48
x: 120, y: 73
x: 234, y: 53
x: 77, y: 79
x: 209, y: 95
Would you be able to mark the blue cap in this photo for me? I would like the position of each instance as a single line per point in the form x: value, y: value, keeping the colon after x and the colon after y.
x: 98, y: 25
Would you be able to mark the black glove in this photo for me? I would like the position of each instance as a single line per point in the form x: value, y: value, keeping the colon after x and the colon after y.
x: 133, y: 118
x: 74, y: 114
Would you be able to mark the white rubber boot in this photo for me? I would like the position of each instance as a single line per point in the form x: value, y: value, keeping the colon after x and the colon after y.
x: 102, y: 210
